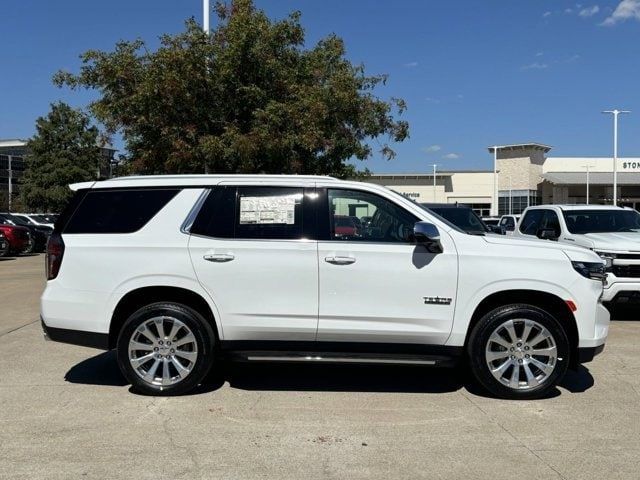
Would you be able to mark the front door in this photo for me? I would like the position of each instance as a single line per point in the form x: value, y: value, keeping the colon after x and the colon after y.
x: 375, y: 285
x: 251, y: 251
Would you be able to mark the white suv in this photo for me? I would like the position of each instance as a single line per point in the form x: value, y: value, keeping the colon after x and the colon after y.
x: 611, y: 232
x: 176, y: 271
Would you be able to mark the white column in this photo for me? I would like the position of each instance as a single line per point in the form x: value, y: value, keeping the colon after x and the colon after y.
x: 494, y: 206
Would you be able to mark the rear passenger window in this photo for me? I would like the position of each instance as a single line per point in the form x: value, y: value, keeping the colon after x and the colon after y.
x: 117, y: 211
x: 275, y: 213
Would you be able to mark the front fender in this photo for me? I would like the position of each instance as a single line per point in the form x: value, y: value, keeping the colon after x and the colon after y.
x: 467, y: 304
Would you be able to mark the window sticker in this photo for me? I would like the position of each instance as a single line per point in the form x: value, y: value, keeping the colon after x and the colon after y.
x: 268, y: 210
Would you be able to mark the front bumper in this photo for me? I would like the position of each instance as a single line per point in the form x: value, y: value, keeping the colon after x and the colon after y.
x: 76, y: 337
x: 622, y: 290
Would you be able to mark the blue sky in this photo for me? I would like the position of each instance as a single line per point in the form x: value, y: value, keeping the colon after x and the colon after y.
x: 473, y: 72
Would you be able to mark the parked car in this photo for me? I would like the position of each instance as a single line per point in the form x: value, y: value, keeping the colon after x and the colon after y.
x: 490, y: 221
x: 462, y: 217
x: 4, y: 245
x: 344, y: 226
x: 611, y: 232
x: 175, y: 272
x: 35, y: 219
x: 19, y: 238
x: 508, y: 223
x: 39, y: 234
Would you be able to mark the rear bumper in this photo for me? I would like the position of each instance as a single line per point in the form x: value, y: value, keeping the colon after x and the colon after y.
x: 76, y: 337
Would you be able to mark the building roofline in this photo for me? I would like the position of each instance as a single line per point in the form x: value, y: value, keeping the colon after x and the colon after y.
x: 521, y: 146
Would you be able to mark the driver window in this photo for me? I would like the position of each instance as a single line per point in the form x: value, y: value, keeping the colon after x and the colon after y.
x: 362, y: 216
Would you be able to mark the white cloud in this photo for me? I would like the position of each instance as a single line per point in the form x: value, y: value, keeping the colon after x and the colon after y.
x: 433, y: 100
x: 535, y: 66
x: 411, y: 64
x: 539, y: 54
x: 546, y: 14
x: 589, y: 11
x: 568, y: 10
x: 432, y: 149
x: 451, y: 156
x: 626, y: 9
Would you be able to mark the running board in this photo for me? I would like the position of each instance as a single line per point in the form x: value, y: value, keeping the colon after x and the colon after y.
x: 341, y: 357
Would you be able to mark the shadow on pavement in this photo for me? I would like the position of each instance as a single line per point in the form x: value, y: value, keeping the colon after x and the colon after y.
x: 103, y: 370
x: 624, y: 312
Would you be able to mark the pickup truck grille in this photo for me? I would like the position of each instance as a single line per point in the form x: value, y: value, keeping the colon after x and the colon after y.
x: 628, y: 271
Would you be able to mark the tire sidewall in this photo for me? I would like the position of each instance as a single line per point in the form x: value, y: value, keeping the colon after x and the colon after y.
x: 201, y: 329
x: 491, y: 321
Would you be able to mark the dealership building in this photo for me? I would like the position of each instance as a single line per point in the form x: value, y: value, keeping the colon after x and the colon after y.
x: 525, y: 176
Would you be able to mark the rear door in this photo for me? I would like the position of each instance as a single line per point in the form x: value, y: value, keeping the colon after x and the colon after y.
x: 375, y: 285
x: 253, y: 250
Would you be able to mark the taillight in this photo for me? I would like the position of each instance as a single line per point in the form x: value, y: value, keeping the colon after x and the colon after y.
x: 55, y: 251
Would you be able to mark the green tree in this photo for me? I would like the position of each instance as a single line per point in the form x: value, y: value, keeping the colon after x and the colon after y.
x: 64, y: 150
x: 250, y: 98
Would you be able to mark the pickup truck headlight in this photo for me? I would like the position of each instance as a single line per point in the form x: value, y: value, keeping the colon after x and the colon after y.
x: 608, y: 259
x: 592, y: 270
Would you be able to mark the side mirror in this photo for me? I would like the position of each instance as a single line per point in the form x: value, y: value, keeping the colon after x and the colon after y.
x: 427, y: 234
x: 547, y: 234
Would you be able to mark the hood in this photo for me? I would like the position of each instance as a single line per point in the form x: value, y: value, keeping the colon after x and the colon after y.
x: 573, y: 252
x: 612, y: 241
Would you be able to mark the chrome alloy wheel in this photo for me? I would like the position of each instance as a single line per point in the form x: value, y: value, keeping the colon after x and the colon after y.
x: 521, y: 354
x: 163, y: 351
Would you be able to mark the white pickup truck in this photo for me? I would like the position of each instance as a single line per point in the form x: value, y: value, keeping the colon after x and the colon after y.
x: 611, y: 232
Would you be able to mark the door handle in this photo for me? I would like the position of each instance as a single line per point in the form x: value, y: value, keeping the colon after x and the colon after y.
x: 338, y: 260
x: 219, y: 257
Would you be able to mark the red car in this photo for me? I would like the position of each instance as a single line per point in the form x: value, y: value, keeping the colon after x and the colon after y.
x: 344, y: 226
x: 19, y: 238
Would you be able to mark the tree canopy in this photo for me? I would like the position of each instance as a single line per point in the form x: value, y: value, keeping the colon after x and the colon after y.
x: 250, y: 98
x: 64, y: 150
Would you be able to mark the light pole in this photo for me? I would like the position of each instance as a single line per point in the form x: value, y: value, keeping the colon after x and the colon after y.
x: 615, y: 114
x: 587, y: 166
x: 205, y: 16
x: 10, y: 182
x: 434, y: 182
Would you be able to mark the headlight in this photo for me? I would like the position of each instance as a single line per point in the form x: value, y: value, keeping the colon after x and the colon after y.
x: 608, y: 259
x: 592, y: 270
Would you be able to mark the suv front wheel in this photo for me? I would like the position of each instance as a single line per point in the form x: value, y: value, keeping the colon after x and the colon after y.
x: 518, y: 352
x: 165, y: 349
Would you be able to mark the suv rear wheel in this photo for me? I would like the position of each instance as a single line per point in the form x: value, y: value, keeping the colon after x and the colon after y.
x: 165, y: 349
x: 518, y: 352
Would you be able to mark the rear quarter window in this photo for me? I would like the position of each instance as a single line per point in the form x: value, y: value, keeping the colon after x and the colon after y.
x: 117, y: 211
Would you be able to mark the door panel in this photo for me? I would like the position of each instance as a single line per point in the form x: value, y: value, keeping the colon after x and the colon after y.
x: 252, y: 250
x: 373, y: 285
x: 264, y: 290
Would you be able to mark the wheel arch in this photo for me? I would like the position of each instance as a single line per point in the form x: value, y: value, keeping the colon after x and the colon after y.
x: 139, y: 297
x: 550, y: 303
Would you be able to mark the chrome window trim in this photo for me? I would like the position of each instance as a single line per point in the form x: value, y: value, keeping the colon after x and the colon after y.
x: 193, y: 213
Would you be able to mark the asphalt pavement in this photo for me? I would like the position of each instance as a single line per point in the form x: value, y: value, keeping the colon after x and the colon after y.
x: 67, y: 412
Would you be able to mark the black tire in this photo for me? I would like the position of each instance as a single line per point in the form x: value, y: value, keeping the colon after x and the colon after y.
x: 478, y: 356
x: 204, y: 339
x: 29, y: 248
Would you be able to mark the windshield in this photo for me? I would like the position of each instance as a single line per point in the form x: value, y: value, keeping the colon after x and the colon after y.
x: 464, y: 218
x: 602, y: 221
